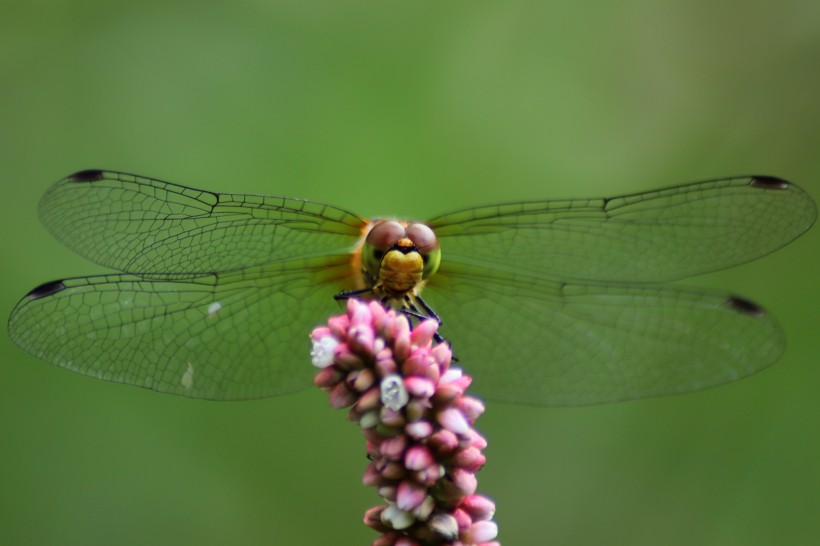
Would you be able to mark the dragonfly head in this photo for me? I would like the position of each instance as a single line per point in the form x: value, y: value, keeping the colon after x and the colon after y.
x: 401, y: 248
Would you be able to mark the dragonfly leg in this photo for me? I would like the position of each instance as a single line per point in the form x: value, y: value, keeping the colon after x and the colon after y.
x: 347, y: 294
x: 411, y: 310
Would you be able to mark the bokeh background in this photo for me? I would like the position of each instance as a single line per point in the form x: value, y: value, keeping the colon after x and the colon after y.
x: 408, y: 108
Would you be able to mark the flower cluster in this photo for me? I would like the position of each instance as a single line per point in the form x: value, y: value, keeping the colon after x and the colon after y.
x: 410, y: 403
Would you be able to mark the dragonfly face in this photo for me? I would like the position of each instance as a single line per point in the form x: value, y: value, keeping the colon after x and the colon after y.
x: 397, y: 256
x: 551, y: 302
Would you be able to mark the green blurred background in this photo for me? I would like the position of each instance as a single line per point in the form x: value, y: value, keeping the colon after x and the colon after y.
x: 409, y: 108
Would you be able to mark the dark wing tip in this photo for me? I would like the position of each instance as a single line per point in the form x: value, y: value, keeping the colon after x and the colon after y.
x: 742, y: 305
x: 46, y: 289
x: 88, y: 175
x: 768, y: 183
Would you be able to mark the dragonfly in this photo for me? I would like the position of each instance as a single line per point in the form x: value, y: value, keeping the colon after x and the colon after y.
x: 547, y: 302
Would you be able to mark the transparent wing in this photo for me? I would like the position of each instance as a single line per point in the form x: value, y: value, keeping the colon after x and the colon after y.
x: 140, y: 225
x: 528, y: 340
x: 232, y: 336
x: 645, y: 237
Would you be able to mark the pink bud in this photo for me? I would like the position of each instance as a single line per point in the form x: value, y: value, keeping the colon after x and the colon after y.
x: 410, y: 495
x: 319, y: 332
x: 361, y: 380
x: 392, y: 418
x: 469, y: 459
x: 401, y: 333
x: 418, y: 457
x: 338, y: 326
x: 378, y: 312
x: 430, y: 475
x: 369, y: 400
x: 453, y: 420
x: 463, y: 518
x: 341, y: 396
x: 480, y: 532
x: 419, y: 430
x: 422, y: 334
x: 420, y: 387
x: 480, y: 508
x: 359, y: 313
x: 393, y: 448
x: 371, y: 476
x: 446, y: 393
x: 360, y: 339
x: 345, y: 360
x: 385, y: 365
x: 372, y: 518
x: 464, y: 481
x: 416, y: 364
x: 328, y: 377
x: 472, y: 408
x: 443, y: 441
x: 442, y: 355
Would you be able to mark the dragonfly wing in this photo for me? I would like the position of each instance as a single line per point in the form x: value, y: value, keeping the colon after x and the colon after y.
x: 231, y: 336
x: 141, y: 225
x: 644, y: 237
x: 529, y: 340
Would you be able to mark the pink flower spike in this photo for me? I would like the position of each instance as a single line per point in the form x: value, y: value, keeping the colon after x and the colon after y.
x: 480, y: 532
x: 417, y: 423
x: 422, y: 334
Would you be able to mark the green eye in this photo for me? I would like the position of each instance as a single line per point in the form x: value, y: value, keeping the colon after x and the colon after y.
x: 431, y: 263
x: 372, y: 259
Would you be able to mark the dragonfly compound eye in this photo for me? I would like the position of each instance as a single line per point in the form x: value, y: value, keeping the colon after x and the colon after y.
x: 379, y: 239
x: 427, y: 244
